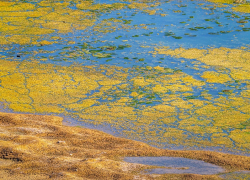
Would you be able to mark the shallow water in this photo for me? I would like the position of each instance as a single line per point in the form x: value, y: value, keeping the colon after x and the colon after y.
x: 108, y: 65
x: 176, y: 165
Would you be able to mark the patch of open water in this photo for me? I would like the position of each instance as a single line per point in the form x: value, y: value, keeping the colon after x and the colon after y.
x: 176, y: 165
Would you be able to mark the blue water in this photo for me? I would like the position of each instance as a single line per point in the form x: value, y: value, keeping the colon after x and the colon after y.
x: 199, y: 28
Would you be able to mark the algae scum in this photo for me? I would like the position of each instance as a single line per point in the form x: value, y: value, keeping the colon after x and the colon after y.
x: 174, y: 74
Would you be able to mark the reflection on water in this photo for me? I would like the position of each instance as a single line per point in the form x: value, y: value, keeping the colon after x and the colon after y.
x: 176, y: 165
x: 172, y: 74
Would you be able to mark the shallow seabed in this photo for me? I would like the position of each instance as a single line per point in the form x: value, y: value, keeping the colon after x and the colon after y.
x: 173, y: 74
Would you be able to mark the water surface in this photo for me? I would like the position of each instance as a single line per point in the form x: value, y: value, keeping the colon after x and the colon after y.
x: 176, y: 165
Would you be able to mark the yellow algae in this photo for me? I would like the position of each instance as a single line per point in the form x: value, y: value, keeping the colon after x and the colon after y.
x: 238, y: 101
x: 136, y: 5
x: 239, y: 74
x: 150, y: 12
x: 240, y: 136
x: 179, y: 87
x: 189, y: 80
x: 81, y: 105
x: 44, y: 42
x: 19, y: 39
x: 195, y: 129
x: 2, y: 4
x: 208, y: 110
x: 187, y: 94
x: 22, y: 15
x: 109, y: 82
x: 221, y: 140
x: 234, y: 59
x: 159, y: 89
x: 246, y: 93
x: 49, y: 17
x: 87, y: 5
x: 159, y: 68
x: 37, y: 31
x: 140, y: 82
x: 214, y: 77
x: 165, y: 108
x: 230, y: 118
x: 196, y: 102
x: 13, y: 80
x: 183, y: 115
x: 245, y: 108
x: 47, y: 108
x: 168, y: 51
x: 123, y: 100
x: 8, y: 28
x: 3, y: 40
x: 121, y: 111
x: 194, y: 121
x: 173, y: 132
x: 105, y: 88
x: 216, y: 57
x: 245, y: 8
x: 22, y: 107
x: 222, y: 1
x: 134, y: 94
x: 62, y: 27
x: 13, y: 96
x: 192, y: 53
x: 169, y: 97
x: 180, y: 103
x: 18, y: 7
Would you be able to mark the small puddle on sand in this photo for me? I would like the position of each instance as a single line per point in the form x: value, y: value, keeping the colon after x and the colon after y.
x: 176, y: 165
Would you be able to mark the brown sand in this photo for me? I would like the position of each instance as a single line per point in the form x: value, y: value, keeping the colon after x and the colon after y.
x: 40, y: 147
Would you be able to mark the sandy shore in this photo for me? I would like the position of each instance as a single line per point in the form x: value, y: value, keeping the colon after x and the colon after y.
x: 40, y: 147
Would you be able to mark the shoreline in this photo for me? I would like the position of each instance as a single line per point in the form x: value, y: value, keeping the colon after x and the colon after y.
x: 40, y: 147
x: 71, y: 122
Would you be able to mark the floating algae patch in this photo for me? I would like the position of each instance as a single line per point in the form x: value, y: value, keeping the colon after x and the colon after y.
x: 28, y: 23
x: 223, y: 112
x: 176, y: 165
x: 239, y: 5
x: 236, y: 60
x: 144, y: 103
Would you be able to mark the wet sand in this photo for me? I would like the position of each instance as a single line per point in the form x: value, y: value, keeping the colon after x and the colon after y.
x: 40, y: 147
